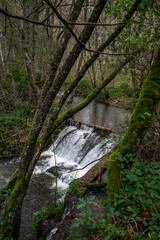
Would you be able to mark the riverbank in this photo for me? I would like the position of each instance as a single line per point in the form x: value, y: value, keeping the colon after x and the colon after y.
x: 87, y: 185
x: 88, y: 146
x: 90, y: 186
x: 14, y: 127
x: 122, y: 102
x: 88, y: 213
x: 16, y: 122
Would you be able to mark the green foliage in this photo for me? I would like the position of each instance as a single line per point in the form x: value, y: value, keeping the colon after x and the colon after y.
x: 133, y: 212
x: 117, y: 7
x: 123, y: 89
x: 139, y: 202
x: 10, y: 123
x: 51, y: 212
x: 4, y: 193
x: 87, y: 225
x: 20, y: 77
x: 40, y: 216
x: 101, y: 96
x: 73, y: 186
x: 136, y: 32
x: 84, y: 87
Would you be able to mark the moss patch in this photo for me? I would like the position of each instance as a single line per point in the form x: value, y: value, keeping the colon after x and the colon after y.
x: 12, y: 180
x: 14, y: 195
x: 78, y: 187
x: 139, y: 123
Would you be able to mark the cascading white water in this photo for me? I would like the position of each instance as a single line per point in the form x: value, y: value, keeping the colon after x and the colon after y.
x: 76, y: 146
x: 74, y: 149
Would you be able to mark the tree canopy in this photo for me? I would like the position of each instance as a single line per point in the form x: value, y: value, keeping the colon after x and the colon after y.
x: 49, y: 45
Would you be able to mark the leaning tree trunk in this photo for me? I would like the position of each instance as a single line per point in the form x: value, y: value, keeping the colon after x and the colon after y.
x: 139, y: 123
x: 20, y: 180
x: 19, y: 183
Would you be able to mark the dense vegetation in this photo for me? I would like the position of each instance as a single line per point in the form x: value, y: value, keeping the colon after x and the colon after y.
x: 108, y: 50
x: 132, y: 213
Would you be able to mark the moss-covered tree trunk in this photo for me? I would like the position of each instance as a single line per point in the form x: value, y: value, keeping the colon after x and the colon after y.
x: 38, y: 136
x: 139, y: 123
x: 12, y: 218
x: 20, y: 181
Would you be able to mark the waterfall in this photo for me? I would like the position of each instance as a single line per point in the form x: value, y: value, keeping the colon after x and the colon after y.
x: 74, y: 149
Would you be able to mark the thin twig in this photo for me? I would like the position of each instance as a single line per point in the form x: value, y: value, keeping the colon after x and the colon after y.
x: 78, y: 169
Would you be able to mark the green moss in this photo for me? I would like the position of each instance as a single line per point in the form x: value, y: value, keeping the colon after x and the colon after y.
x: 12, y: 180
x: 142, y: 114
x: 14, y: 195
x: 38, y: 141
x: 113, y: 181
x: 79, y: 187
x: 29, y: 138
x: 7, y: 229
x: 139, y: 123
x: 76, y: 187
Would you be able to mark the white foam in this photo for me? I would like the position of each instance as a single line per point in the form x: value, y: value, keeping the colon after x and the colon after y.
x: 73, y: 149
x: 52, y: 232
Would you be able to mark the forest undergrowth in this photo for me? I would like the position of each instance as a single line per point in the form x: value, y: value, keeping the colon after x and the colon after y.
x: 134, y: 211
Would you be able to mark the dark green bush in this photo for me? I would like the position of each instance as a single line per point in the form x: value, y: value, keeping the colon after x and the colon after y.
x: 21, y: 80
x: 133, y: 212
x: 51, y: 212
x: 123, y: 90
x: 138, y: 204
x: 13, y: 124
x: 84, y: 87
x: 87, y: 225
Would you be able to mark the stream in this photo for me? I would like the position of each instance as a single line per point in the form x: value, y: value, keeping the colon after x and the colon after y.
x: 73, y: 149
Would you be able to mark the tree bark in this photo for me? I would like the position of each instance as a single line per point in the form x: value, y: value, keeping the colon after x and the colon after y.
x: 2, y: 93
x: 30, y: 155
x: 139, y: 123
x: 45, y: 104
x: 22, y: 177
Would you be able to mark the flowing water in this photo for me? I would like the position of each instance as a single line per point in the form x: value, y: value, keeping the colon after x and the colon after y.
x: 74, y: 149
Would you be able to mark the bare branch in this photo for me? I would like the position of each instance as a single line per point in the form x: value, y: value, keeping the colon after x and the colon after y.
x: 41, y: 4
x: 28, y: 20
x: 64, y: 22
x: 95, y: 24
x: 54, y: 26
x: 78, y: 169
x: 118, y: 30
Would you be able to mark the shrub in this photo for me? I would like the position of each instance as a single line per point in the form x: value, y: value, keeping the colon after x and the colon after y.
x: 12, y: 125
x: 124, y: 90
x: 84, y: 87
x: 51, y: 212
x: 135, y: 210
x: 20, y: 76
x: 87, y: 225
